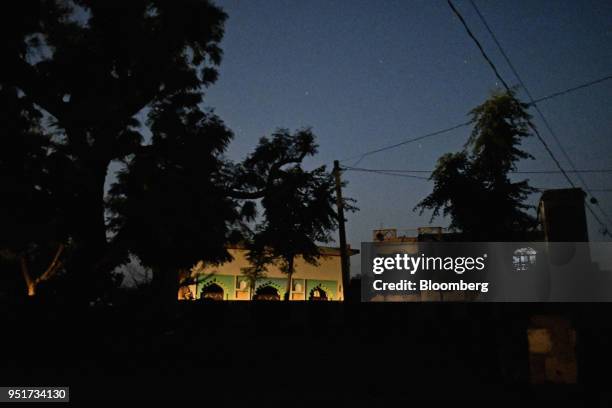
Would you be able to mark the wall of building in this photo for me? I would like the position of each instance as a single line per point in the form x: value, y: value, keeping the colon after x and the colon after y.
x: 326, y: 275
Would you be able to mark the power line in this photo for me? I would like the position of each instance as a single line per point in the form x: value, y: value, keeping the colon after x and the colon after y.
x: 573, y: 89
x: 534, y: 104
x: 415, y: 139
x: 390, y: 173
x: 385, y: 172
x: 558, y: 172
x: 513, y: 172
x: 604, y: 190
x: 499, y: 77
x: 460, y: 125
x: 482, y: 51
x: 533, y: 128
x: 403, y: 173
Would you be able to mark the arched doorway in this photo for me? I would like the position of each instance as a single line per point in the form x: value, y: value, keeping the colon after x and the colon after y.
x: 318, y: 294
x: 266, y: 292
x: 212, y: 292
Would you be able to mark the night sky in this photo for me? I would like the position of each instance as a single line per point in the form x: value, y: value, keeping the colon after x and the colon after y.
x: 367, y: 74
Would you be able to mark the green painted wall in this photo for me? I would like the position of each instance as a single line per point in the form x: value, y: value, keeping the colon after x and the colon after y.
x: 330, y: 287
x: 279, y: 283
x: 227, y: 282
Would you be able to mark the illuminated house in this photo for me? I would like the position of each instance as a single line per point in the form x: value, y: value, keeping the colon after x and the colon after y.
x: 227, y: 282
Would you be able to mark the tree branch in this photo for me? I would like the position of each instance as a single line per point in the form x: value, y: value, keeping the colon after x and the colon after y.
x: 245, y: 195
x: 35, y: 88
x: 26, y: 275
x: 251, y: 195
x: 53, y: 266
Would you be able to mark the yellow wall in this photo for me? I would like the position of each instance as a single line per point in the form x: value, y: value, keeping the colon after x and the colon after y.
x: 328, y: 268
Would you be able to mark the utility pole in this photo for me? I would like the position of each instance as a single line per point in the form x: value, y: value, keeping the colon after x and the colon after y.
x: 344, y: 260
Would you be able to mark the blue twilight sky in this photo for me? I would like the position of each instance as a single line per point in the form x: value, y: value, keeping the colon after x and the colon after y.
x: 365, y: 74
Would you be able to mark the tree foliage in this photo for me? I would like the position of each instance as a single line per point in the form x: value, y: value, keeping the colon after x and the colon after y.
x: 83, y: 84
x: 473, y: 187
x: 298, y: 205
x: 33, y: 224
x: 88, y: 69
x: 170, y: 205
x: 169, y: 201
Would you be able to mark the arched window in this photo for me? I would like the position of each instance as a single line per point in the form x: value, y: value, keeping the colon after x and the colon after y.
x: 212, y: 292
x: 318, y: 294
x: 266, y: 292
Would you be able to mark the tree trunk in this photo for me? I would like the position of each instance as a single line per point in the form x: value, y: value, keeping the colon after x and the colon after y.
x: 165, y: 290
x: 30, y: 284
x: 289, y: 277
x: 89, y: 279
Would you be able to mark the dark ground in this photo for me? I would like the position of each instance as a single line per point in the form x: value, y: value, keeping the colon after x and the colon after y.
x: 319, y: 354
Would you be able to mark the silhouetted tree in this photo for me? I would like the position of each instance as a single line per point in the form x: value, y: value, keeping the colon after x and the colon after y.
x: 90, y: 71
x: 171, y: 206
x: 473, y: 186
x: 33, y: 236
x: 89, y: 68
x: 253, y: 273
x: 298, y: 205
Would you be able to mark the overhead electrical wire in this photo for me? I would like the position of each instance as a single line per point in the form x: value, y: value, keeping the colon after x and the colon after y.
x: 501, y: 79
x: 385, y: 172
x: 532, y: 102
x: 573, y: 89
x: 513, y: 172
x: 361, y: 156
x: 412, y: 140
x: 405, y: 173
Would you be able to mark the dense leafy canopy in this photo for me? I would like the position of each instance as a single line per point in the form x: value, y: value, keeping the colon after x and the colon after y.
x: 298, y: 205
x: 473, y: 187
x: 84, y: 84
